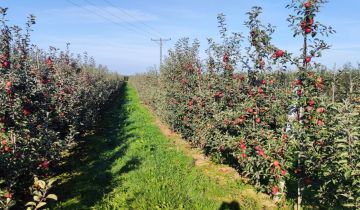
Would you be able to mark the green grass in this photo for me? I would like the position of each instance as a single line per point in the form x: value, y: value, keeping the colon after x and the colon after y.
x: 130, y: 164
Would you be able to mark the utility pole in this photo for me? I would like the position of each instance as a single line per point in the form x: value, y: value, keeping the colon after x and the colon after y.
x: 161, y: 40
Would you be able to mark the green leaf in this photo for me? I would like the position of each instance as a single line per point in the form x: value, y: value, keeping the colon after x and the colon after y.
x: 347, y: 174
x: 344, y: 154
x: 36, y: 198
x: 41, y: 204
x: 342, y: 161
x: 51, y: 181
x: 52, y: 196
x: 31, y: 203
x: 41, y: 184
x: 37, y: 193
x: 348, y: 205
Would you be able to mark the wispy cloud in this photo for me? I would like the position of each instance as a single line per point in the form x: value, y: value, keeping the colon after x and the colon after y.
x: 182, y: 12
x: 347, y: 48
x: 124, y: 57
x: 91, y: 14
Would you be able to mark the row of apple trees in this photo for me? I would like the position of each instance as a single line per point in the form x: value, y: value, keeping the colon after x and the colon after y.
x: 47, y: 99
x: 293, y: 134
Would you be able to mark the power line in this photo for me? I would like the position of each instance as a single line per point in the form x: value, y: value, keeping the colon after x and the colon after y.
x: 161, y: 40
x: 102, y: 16
x: 134, y: 17
x: 118, y: 17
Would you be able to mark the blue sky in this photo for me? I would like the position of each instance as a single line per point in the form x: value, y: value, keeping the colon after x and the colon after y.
x: 117, y: 33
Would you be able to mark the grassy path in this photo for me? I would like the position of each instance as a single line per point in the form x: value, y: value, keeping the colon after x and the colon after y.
x: 130, y: 164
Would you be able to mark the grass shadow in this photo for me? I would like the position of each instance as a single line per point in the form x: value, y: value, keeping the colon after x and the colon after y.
x: 86, y: 175
x: 234, y: 205
x: 130, y: 165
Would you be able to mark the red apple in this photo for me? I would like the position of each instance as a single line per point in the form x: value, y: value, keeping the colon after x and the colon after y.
x: 8, y: 195
x: 307, y: 5
x: 310, y: 21
x: 303, y: 25
x: 45, y: 164
x: 241, y: 120
x: 309, y: 108
x: 279, y: 53
x: 299, y: 92
x: 311, y: 103
x: 6, y: 64
x: 320, y: 122
x: 49, y: 62
x: 3, y: 142
x: 319, y: 80
x: 26, y: 111
x: 222, y: 148
x: 320, y: 110
x: 6, y: 149
x: 261, y: 153
x: 275, y: 190
x: 260, y: 90
x: 226, y: 57
x: 276, y: 164
x: 8, y: 85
